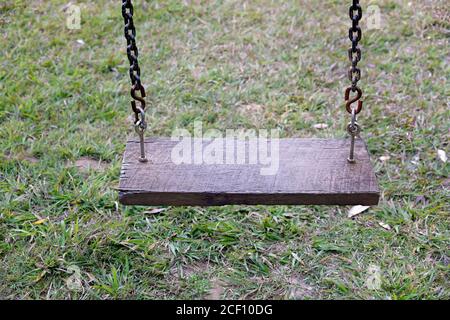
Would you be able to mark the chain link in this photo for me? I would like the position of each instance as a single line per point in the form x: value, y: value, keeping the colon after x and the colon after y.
x: 354, y: 75
x: 137, y: 89
x: 354, y: 55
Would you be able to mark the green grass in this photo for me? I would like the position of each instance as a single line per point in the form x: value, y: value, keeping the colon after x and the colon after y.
x: 61, y: 101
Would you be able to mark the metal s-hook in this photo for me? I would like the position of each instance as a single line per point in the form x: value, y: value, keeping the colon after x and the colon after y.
x: 349, y: 102
x: 140, y: 124
x: 353, y: 127
x: 139, y: 127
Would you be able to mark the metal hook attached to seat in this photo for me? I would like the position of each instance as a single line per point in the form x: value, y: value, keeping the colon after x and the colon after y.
x: 353, y: 129
x: 139, y: 126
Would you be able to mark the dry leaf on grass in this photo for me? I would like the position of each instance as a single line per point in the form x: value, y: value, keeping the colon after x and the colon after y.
x: 384, y: 225
x: 355, y: 210
x: 155, y: 211
x: 320, y: 126
x: 442, y: 155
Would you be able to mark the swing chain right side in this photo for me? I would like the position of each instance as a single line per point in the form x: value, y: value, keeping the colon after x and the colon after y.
x: 354, y: 75
x: 137, y: 91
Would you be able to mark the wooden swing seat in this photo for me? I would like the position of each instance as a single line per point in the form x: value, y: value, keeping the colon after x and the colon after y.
x: 310, y: 172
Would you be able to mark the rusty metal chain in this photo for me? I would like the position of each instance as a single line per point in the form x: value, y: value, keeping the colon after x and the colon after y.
x: 137, y: 89
x: 354, y: 55
x: 354, y: 75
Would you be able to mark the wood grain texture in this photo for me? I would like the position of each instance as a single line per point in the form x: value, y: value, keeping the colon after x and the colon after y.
x: 311, y: 172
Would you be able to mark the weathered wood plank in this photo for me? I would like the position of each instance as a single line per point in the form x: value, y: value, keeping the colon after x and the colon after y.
x: 310, y: 172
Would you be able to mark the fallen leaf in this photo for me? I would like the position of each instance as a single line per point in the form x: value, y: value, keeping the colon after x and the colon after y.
x: 320, y: 126
x: 384, y: 158
x: 91, y: 277
x: 40, y: 221
x: 254, y: 214
x: 154, y: 211
x: 442, y: 155
x: 384, y: 225
x: 355, y: 210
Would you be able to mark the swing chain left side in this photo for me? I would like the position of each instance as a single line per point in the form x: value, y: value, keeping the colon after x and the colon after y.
x: 354, y: 75
x: 137, y: 89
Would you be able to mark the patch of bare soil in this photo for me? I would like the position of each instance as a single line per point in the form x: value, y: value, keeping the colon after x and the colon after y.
x: 216, y: 291
x: 85, y: 164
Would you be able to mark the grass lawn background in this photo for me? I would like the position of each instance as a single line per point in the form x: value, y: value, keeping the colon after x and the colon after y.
x: 65, y: 117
